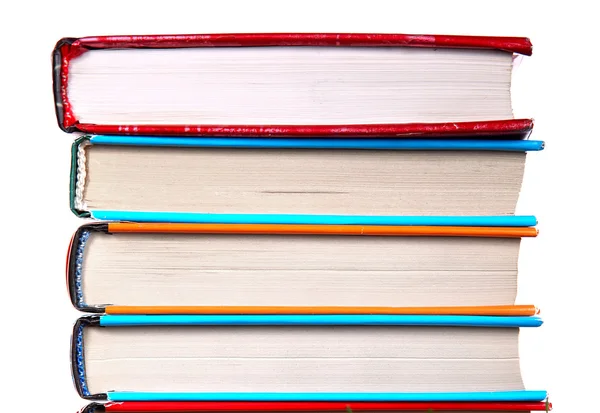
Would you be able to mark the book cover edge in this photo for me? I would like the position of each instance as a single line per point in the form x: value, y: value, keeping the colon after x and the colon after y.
x: 78, y: 358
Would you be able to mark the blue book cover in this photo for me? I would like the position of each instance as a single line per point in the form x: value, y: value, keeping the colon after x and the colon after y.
x: 267, y: 201
x: 222, y: 339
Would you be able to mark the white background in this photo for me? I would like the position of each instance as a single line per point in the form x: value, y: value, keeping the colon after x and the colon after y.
x: 558, y: 86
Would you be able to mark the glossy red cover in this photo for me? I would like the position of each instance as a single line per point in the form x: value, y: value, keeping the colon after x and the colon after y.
x: 315, y: 406
x: 520, y: 45
x: 498, y: 128
x: 69, y: 48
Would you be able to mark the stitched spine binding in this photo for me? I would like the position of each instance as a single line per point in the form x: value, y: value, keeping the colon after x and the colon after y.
x: 83, y: 238
x: 75, y: 260
x: 78, y: 358
x: 81, y: 176
x: 80, y: 364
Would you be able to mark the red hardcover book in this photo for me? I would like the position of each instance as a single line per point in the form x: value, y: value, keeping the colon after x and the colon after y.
x: 266, y: 407
x: 289, y: 85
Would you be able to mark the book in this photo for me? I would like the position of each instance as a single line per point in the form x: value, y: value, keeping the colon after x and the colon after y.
x: 347, y: 358
x: 362, y: 407
x: 289, y: 84
x: 344, y: 181
x: 295, y: 269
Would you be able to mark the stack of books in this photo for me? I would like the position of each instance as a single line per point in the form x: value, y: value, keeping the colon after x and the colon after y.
x: 296, y: 222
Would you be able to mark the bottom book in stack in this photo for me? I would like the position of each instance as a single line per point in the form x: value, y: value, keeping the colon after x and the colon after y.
x: 300, y: 357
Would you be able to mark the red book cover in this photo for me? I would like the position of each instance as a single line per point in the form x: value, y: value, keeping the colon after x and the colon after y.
x: 68, y: 49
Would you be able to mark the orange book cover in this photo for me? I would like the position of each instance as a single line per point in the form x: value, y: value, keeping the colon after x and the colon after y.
x: 75, y: 259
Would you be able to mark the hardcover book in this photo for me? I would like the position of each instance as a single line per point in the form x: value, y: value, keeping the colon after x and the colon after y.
x: 300, y: 358
x: 295, y: 269
x: 289, y: 84
x: 318, y: 181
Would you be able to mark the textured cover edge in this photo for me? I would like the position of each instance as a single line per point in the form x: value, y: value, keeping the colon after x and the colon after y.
x: 519, y: 45
x: 494, y: 129
x: 78, y: 358
x: 65, y: 49
x: 72, y: 263
x: 57, y: 81
x: 73, y: 177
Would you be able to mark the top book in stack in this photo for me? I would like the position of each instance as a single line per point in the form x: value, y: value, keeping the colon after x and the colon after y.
x: 352, y: 85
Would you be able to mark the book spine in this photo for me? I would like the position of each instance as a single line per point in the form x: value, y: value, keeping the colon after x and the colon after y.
x: 75, y: 266
x: 74, y: 176
x: 78, y: 358
x: 65, y: 50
